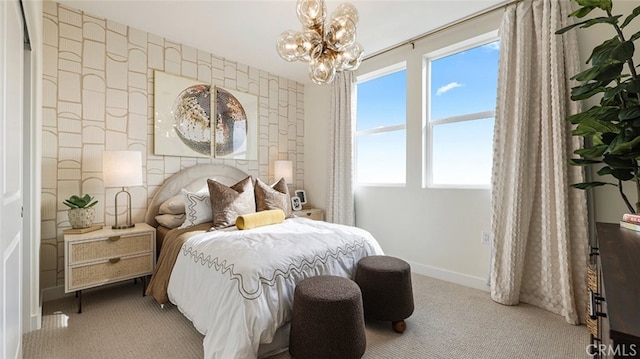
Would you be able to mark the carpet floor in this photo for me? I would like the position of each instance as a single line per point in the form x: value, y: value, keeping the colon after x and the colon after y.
x: 449, y: 321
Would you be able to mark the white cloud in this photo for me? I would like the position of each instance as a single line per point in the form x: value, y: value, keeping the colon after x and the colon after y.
x: 448, y: 87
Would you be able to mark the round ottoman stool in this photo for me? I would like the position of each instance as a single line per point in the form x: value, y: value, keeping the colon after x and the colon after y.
x: 327, y: 319
x: 387, y: 293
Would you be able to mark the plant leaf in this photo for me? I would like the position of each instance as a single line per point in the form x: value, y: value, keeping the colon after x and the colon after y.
x: 625, y: 147
x: 588, y: 185
x: 582, y: 12
x: 602, y: 51
x: 592, y: 152
x: 602, y: 4
x: 629, y: 113
x: 635, y: 36
x: 601, y: 20
x: 617, y: 162
x: 633, y: 15
x: 589, y: 22
x: 602, y: 113
x: 604, y: 73
x: 631, y: 85
x: 592, y: 126
x: 623, y: 175
x: 586, y: 91
x: 582, y: 162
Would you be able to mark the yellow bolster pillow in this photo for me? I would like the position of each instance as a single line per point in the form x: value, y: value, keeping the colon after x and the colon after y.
x: 258, y: 219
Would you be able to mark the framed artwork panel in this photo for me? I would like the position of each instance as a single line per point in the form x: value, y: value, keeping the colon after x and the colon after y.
x: 182, y: 116
x: 235, y: 125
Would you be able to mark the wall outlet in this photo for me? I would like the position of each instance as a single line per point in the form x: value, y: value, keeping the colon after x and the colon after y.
x: 485, y: 237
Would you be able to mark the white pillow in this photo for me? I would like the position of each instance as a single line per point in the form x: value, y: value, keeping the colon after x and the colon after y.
x: 197, y: 207
x: 170, y: 220
x: 174, y: 205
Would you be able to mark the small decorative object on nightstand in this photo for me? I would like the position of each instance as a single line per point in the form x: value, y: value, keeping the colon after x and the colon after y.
x: 313, y: 213
x: 106, y: 256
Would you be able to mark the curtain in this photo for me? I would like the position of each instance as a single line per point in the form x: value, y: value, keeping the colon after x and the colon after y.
x: 539, y: 222
x: 340, y: 201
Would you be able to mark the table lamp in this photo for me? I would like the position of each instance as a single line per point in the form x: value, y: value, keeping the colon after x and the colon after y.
x: 122, y: 169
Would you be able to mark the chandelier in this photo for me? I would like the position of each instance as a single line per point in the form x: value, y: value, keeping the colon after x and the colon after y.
x: 327, y: 48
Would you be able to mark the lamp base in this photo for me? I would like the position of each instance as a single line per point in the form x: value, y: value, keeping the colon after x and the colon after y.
x: 123, y: 226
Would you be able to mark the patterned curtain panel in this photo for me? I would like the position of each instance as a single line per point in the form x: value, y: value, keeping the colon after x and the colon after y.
x: 340, y: 201
x: 539, y: 222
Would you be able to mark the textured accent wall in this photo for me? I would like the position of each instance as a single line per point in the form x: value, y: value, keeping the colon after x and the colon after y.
x: 98, y: 95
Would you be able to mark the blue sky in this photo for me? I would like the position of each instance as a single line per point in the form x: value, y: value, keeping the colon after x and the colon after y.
x: 462, y: 83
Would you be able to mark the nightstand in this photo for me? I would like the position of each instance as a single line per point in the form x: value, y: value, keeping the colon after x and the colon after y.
x: 106, y: 256
x: 312, y: 213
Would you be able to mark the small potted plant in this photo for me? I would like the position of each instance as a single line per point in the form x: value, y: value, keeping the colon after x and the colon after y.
x: 81, y: 212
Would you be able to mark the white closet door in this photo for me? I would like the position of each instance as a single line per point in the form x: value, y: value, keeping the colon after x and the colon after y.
x: 11, y: 122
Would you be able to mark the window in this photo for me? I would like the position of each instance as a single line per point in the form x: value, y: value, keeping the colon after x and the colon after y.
x: 380, y: 142
x: 462, y: 100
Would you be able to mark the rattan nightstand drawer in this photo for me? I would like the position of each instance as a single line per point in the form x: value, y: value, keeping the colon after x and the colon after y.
x: 107, y: 255
x: 110, y: 247
x: 112, y: 270
x: 312, y: 213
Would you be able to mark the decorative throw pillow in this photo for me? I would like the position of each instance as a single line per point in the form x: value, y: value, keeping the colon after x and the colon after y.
x: 275, y: 196
x: 174, y: 205
x: 259, y: 219
x: 170, y: 220
x: 197, y: 206
x: 227, y: 203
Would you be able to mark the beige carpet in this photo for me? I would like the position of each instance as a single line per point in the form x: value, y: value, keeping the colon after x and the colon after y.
x: 449, y: 321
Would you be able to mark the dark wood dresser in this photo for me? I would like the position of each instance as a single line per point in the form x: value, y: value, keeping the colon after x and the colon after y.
x: 614, y: 298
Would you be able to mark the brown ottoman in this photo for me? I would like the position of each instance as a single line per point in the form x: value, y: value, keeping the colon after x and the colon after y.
x: 387, y: 293
x: 327, y: 319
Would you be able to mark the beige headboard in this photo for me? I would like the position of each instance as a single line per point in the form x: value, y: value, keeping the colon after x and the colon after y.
x: 192, y: 179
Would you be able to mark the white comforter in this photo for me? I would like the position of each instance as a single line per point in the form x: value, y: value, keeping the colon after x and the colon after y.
x: 237, y: 286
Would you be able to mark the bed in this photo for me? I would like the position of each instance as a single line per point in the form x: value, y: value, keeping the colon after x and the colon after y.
x: 236, y: 286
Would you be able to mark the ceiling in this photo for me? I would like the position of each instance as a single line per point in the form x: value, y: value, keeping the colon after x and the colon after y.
x: 246, y: 31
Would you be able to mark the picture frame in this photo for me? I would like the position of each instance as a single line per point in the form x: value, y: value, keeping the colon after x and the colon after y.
x: 234, y: 124
x: 196, y: 119
x: 295, y: 203
x: 302, y: 194
x: 182, y: 116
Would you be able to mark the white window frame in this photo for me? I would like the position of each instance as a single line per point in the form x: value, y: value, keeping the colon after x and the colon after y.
x: 453, y: 49
x: 400, y: 66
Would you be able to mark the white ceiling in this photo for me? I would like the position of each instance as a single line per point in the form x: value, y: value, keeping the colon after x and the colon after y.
x: 246, y: 31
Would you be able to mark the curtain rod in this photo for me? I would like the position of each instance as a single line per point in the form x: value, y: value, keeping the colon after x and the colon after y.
x: 444, y: 27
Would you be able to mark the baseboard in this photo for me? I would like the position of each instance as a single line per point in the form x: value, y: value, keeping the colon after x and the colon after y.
x: 36, y: 321
x: 449, y: 276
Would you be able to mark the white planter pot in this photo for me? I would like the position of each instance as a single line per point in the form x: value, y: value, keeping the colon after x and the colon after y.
x: 81, y: 217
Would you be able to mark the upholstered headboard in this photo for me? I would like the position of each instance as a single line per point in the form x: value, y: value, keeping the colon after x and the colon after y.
x: 192, y: 179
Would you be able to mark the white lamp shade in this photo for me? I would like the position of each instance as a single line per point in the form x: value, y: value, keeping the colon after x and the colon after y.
x: 283, y: 169
x: 122, y: 168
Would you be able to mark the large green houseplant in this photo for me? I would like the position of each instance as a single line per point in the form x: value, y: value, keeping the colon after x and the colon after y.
x: 611, y: 129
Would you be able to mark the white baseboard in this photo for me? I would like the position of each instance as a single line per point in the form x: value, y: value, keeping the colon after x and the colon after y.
x: 35, y: 321
x: 449, y: 276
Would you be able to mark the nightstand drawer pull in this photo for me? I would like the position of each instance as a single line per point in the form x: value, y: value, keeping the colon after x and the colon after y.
x: 114, y: 238
x: 114, y: 260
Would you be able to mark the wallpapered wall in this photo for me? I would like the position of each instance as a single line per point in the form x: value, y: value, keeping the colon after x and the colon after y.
x: 98, y: 95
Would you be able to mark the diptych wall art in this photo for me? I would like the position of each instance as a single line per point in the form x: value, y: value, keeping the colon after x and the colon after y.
x: 195, y: 119
x: 235, y: 125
